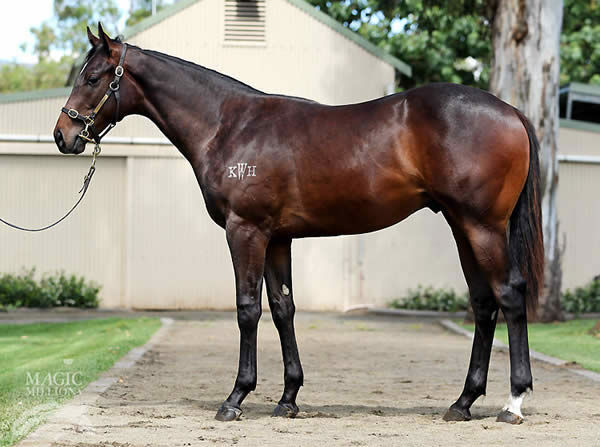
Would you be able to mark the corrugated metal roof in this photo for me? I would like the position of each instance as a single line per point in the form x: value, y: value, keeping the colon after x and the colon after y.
x: 586, y: 89
x: 33, y: 95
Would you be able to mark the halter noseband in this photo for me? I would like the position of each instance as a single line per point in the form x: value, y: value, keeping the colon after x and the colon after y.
x: 88, y: 120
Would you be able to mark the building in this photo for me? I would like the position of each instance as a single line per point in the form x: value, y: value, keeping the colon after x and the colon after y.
x: 143, y: 231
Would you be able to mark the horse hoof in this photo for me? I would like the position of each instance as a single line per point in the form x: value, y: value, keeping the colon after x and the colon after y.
x: 457, y: 415
x: 285, y: 411
x: 228, y: 413
x: 509, y: 418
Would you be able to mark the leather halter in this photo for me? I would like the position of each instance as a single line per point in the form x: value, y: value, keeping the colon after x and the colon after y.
x: 89, y: 129
x: 89, y: 132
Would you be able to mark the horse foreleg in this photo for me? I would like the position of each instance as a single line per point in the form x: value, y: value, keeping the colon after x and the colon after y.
x: 248, y: 246
x: 278, y: 275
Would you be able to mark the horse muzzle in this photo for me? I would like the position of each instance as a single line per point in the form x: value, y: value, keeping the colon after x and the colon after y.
x: 77, y: 146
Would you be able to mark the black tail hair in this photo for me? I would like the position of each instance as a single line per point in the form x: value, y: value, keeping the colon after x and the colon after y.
x: 526, y: 242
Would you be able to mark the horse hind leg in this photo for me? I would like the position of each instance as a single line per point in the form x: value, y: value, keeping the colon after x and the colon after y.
x: 490, y: 249
x: 278, y: 276
x: 485, y: 310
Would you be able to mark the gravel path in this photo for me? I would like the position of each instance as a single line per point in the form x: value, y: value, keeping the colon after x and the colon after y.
x: 368, y: 381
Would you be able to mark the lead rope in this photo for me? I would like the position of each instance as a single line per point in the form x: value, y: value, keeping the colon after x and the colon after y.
x: 86, y: 183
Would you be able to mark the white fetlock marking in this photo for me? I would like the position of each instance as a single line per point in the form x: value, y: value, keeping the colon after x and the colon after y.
x: 514, y: 403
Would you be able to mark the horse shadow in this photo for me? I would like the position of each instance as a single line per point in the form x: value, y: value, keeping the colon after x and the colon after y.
x: 258, y: 410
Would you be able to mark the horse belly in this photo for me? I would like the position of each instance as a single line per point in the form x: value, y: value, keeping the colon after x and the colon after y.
x: 351, y: 212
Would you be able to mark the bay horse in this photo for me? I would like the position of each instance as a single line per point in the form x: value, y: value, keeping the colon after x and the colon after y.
x: 265, y: 164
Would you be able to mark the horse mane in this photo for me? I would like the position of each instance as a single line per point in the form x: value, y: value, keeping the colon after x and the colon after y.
x: 175, y: 60
x: 199, y: 68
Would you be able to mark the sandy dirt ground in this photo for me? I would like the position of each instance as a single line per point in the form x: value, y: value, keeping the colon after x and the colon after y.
x: 368, y: 381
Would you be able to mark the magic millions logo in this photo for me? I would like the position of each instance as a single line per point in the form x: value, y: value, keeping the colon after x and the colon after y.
x: 53, y: 384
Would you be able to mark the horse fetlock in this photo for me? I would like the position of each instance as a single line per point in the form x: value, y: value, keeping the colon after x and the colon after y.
x: 477, y: 390
x: 294, y: 378
x: 245, y: 384
x: 521, y: 387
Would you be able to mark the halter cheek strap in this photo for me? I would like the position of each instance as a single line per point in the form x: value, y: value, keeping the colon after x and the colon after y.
x: 89, y: 132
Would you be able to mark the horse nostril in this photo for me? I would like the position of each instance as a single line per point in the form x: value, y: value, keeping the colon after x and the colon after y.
x: 58, y: 137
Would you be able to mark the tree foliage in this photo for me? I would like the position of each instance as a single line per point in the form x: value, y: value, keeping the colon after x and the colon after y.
x: 447, y: 41
x: 64, y: 35
x: 451, y: 41
x: 46, y: 73
x: 580, y: 42
x: 143, y: 10
x: 442, y: 41
x: 73, y: 16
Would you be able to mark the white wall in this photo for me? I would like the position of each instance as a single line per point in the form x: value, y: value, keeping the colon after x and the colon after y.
x: 143, y: 231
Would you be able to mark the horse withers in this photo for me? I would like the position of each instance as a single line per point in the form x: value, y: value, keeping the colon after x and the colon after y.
x: 454, y: 149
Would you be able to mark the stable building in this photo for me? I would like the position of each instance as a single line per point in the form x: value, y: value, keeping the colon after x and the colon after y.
x: 143, y: 231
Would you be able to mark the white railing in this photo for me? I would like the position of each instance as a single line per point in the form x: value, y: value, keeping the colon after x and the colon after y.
x: 8, y: 138
x: 142, y: 141
x: 583, y: 159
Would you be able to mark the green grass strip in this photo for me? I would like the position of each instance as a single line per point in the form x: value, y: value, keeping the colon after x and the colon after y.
x: 570, y: 341
x: 45, y: 364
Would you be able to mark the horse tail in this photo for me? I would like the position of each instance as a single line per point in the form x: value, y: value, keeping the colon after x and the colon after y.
x: 526, y: 240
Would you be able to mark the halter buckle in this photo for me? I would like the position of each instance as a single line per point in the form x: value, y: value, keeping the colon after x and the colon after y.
x: 119, y: 71
x: 85, y: 134
x: 114, y: 88
x: 73, y: 113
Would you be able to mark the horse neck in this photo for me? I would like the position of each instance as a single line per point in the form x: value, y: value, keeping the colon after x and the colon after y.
x: 185, y: 101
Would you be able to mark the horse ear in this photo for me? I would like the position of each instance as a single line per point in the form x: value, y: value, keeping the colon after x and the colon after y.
x: 103, y: 38
x: 93, y: 39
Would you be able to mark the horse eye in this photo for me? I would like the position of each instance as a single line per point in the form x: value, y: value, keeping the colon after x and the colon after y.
x: 92, y: 81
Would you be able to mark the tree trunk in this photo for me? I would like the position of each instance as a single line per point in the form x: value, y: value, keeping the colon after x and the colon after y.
x: 525, y: 73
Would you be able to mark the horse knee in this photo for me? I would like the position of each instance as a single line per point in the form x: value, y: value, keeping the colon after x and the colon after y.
x: 282, y: 310
x: 248, y: 313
